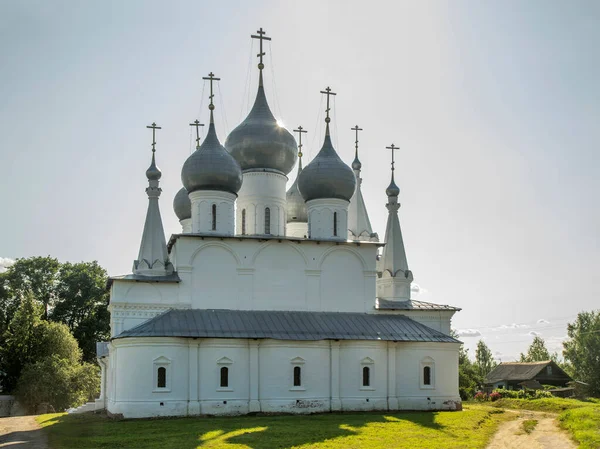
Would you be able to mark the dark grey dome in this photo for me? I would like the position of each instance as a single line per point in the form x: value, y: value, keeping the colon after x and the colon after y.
x: 296, y: 207
x: 153, y: 173
x: 260, y: 143
x: 182, y: 204
x: 211, y: 167
x: 393, y: 189
x: 327, y: 176
x: 356, y: 165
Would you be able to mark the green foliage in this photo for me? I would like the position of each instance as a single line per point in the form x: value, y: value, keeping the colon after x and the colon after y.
x: 484, y: 359
x: 538, y: 352
x: 69, y: 293
x: 469, y: 379
x: 582, y: 348
x: 57, y: 381
x: 471, y: 429
x: 529, y: 425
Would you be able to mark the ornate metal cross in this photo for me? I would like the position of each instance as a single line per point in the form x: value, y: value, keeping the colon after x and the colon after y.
x: 357, y: 129
x: 392, y: 147
x: 300, y: 131
x: 211, y: 77
x: 261, y: 37
x: 197, y: 124
x: 327, y: 92
x: 154, y: 128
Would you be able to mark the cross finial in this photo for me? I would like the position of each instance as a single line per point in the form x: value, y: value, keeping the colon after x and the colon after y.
x: 300, y: 131
x: 261, y: 37
x: 356, y: 129
x: 197, y: 124
x: 328, y: 92
x: 154, y: 128
x: 211, y: 78
x: 393, y: 148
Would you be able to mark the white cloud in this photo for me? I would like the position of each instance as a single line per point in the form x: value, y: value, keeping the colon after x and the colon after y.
x: 5, y: 262
x: 416, y: 288
x: 543, y: 321
x: 511, y: 326
x: 468, y: 333
x: 534, y: 334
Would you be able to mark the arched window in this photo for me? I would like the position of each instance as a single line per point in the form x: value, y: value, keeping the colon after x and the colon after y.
x: 267, y: 220
x: 366, y: 376
x: 243, y: 221
x: 427, y: 375
x: 224, y: 376
x: 161, y: 377
x: 214, y: 217
x: 297, y: 376
x: 335, y: 224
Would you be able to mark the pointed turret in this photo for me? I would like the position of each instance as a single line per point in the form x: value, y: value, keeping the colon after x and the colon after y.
x: 153, y: 259
x: 394, y: 276
x: 359, y: 225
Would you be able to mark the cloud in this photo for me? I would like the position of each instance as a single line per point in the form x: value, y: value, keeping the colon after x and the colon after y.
x: 511, y: 326
x: 534, y: 334
x: 468, y: 333
x: 5, y: 262
x: 543, y: 321
x: 416, y: 288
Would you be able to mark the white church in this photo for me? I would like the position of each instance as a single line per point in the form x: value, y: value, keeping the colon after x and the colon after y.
x: 272, y: 300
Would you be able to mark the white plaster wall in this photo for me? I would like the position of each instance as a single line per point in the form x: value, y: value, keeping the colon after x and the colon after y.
x: 343, y: 286
x: 321, y: 218
x: 262, y: 189
x: 297, y: 229
x: 214, y: 278
x: 202, y: 216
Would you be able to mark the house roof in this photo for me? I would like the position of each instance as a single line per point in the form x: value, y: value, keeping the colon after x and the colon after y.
x: 517, y: 371
x: 386, y: 304
x: 285, y: 325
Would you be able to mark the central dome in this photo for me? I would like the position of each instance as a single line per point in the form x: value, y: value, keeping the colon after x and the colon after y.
x: 259, y: 142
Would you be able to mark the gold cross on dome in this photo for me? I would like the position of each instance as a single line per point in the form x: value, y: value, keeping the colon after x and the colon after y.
x: 328, y: 92
x: 211, y: 77
x: 154, y: 128
x: 300, y: 131
x: 393, y: 148
x: 197, y: 124
x: 261, y: 37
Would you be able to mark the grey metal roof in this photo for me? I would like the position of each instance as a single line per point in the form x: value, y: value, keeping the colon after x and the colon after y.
x: 285, y: 325
x: 386, y: 304
x: 520, y: 371
x: 173, y: 277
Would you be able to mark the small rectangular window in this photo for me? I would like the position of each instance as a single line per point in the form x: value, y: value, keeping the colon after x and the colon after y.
x: 267, y: 220
x: 161, y: 377
x: 297, y: 376
x: 224, y: 376
x: 366, y: 376
x: 427, y: 375
x: 214, y: 217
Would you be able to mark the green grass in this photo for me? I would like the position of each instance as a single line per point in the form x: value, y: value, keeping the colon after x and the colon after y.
x: 471, y: 428
x: 529, y: 425
x: 580, y: 418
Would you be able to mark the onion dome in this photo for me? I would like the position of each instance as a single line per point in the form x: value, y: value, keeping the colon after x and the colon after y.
x: 356, y: 165
x: 295, y: 204
x: 211, y: 167
x: 182, y: 205
x: 327, y: 176
x: 153, y: 173
x: 393, y: 189
x: 259, y: 142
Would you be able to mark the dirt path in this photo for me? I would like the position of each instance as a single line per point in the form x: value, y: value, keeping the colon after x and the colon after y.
x: 21, y: 432
x: 545, y: 435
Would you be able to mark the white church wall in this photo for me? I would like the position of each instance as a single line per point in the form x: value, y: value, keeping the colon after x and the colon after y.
x: 262, y: 189
x: 413, y: 393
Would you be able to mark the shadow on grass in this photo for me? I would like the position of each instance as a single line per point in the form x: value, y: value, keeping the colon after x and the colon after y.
x: 24, y: 439
x: 255, y: 432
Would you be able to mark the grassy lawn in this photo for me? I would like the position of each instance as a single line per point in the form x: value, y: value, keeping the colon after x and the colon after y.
x: 580, y: 418
x: 470, y: 428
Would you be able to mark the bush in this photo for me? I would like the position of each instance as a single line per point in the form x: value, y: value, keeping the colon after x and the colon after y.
x: 481, y: 396
x: 495, y: 396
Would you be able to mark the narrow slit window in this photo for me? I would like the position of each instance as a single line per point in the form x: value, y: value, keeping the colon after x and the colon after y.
x: 366, y: 376
x: 335, y: 224
x: 297, y: 376
x: 161, y: 377
x: 214, y: 217
x: 243, y: 221
x: 224, y: 376
x: 267, y: 220
x: 427, y: 375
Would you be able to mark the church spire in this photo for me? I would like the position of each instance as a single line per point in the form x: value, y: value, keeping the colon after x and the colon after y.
x: 359, y: 225
x: 394, y: 276
x: 153, y: 259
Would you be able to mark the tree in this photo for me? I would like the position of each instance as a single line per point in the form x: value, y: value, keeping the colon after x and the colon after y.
x: 484, y: 359
x: 538, y: 352
x: 582, y: 350
x: 81, y: 304
x: 468, y: 376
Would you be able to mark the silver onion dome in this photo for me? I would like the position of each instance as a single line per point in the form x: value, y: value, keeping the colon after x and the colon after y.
x: 153, y: 173
x: 182, y: 205
x: 295, y: 204
x: 211, y: 167
x: 259, y: 142
x: 356, y: 165
x: 327, y: 176
x: 393, y: 189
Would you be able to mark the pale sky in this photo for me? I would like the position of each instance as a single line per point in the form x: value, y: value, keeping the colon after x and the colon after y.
x: 495, y: 105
